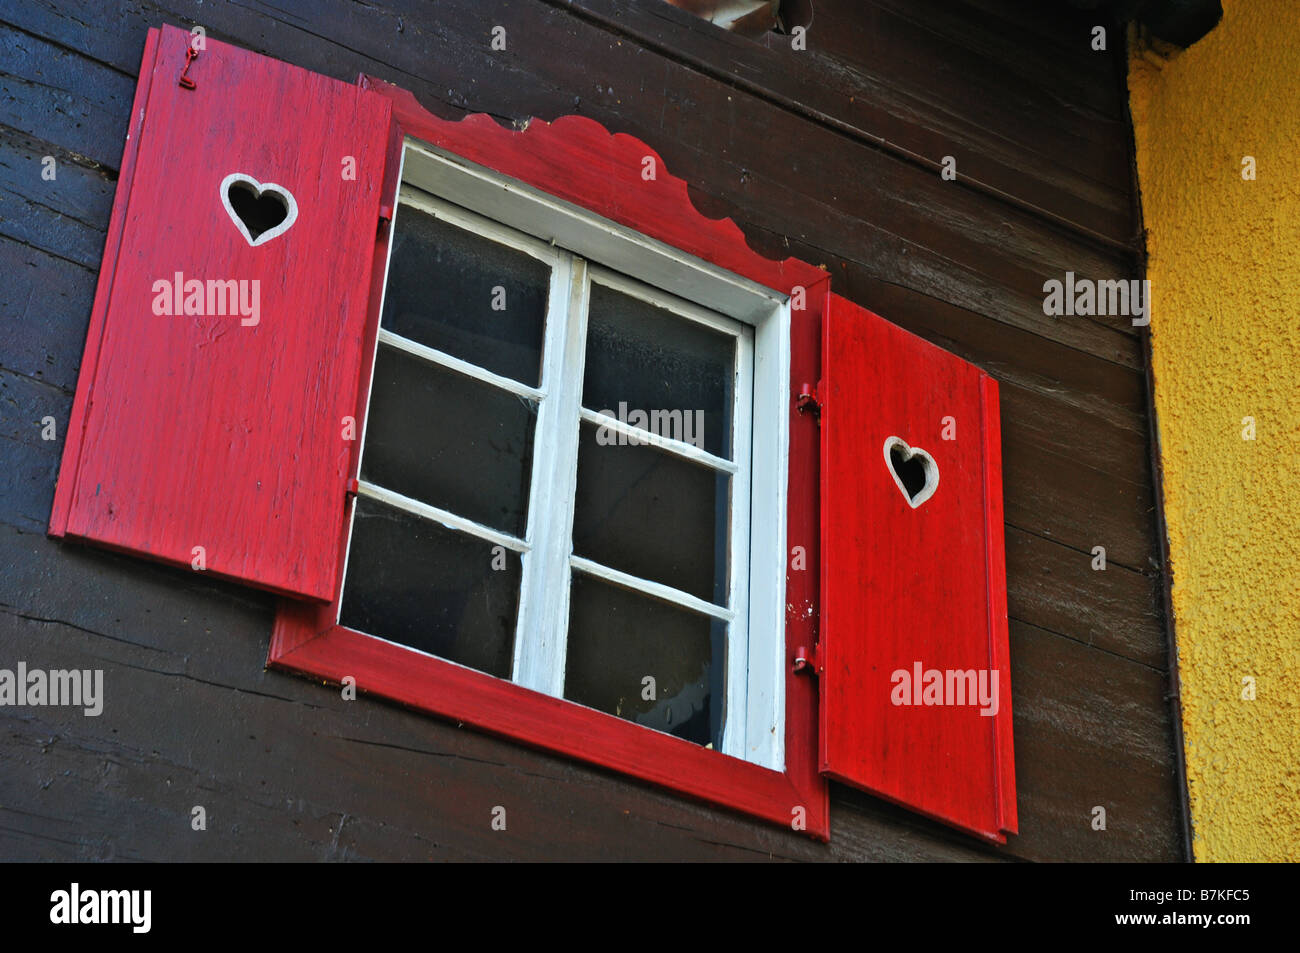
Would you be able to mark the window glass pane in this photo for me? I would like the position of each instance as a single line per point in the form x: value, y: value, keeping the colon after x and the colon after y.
x: 653, y: 361
x: 652, y: 514
x: 470, y: 297
x: 414, y: 582
x: 449, y: 440
x: 618, y: 638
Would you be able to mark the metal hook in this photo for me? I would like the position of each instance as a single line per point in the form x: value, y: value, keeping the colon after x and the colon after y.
x: 191, y: 54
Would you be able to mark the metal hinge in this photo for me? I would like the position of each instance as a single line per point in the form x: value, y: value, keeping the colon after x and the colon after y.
x: 807, y: 401
x: 385, y: 217
x: 352, y: 487
x: 808, y: 661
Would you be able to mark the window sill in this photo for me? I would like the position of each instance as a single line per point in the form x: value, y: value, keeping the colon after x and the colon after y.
x: 796, y: 798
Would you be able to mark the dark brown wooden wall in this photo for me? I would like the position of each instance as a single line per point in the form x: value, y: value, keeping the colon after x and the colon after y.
x: 831, y: 155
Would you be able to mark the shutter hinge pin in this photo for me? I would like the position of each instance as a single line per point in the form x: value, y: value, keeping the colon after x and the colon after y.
x: 808, y: 661
x: 191, y: 54
x: 353, y: 487
x: 807, y: 401
x: 385, y: 217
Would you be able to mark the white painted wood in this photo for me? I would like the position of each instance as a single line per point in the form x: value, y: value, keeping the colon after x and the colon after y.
x: 736, y: 724
x: 669, y: 302
x: 596, y: 239
x: 769, y: 548
x: 471, y: 222
x: 648, y: 438
x: 438, y: 515
x: 443, y: 359
x: 656, y: 589
x: 541, y: 637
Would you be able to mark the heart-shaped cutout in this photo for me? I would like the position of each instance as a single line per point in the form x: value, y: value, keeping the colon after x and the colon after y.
x: 914, y: 470
x: 260, y: 210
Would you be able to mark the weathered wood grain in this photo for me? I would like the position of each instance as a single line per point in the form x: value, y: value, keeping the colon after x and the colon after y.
x: 856, y: 189
x: 856, y: 76
x: 1092, y: 729
x: 59, y: 95
x: 1054, y: 587
x: 44, y: 301
x: 65, y: 218
x: 1011, y: 354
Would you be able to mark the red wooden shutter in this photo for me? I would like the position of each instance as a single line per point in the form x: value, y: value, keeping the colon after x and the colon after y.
x: 910, y: 591
x: 216, y: 439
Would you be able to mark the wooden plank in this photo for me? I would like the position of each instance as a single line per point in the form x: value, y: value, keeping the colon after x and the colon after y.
x: 1092, y: 729
x: 1075, y: 434
x: 963, y: 298
x: 873, y: 89
x: 1056, y: 719
x: 1025, y: 65
x: 1052, y: 586
x: 31, y: 462
x: 1045, y: 40
x: 960, y: 249
x: 182, y: 703
x: 60, y: 96
x: 45, y: 301
x: 869, y: 830
x: 66, y: 217
x: 152, y: 630
x: 864, y: 73
x: 1012, y: 355
x: 1049, y: 494
x: 253, y: 755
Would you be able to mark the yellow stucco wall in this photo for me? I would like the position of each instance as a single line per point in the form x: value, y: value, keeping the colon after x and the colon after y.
x: 1225, y: 331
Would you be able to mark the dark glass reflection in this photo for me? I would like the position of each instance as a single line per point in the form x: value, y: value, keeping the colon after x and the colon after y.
x: 470, y: 297
x: 652, y: 514
x: 654, y: 361
x: 417, y: 583
x: 449, y: 440
x: 618, y: 639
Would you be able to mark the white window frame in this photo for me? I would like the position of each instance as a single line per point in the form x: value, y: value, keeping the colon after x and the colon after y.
x: 581, y: 248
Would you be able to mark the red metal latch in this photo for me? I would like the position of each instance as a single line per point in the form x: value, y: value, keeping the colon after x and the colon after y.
x: 191, y: 54
x: 807, y: 401
x: 807, y: 661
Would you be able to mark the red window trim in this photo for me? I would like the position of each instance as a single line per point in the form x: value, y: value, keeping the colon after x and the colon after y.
x: 578, y: 160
